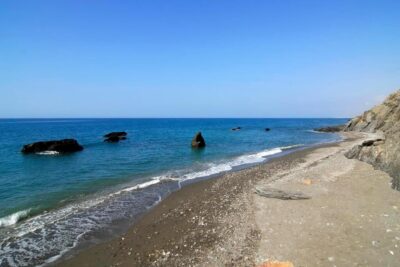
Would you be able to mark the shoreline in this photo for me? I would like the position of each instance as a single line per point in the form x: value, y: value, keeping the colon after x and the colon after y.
x: 189, y: 192
x: 93, y: 218
x: 351, y: 218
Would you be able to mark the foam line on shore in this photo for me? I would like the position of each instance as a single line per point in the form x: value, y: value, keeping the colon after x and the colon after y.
x: 213, y: 168
x: 100, y: 211
x: 14, y: 218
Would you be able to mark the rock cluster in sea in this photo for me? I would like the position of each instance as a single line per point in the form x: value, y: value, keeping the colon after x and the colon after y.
x: 71, y: 145
x: 114, y: 137
x: 60, y: 146
x: 383, y: 152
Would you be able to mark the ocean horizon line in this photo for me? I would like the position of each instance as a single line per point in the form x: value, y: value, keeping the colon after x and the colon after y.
x: 170, y: 118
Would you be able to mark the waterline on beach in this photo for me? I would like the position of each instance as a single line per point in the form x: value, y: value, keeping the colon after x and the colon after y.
x: 29, y: 239
x: 106, y: 187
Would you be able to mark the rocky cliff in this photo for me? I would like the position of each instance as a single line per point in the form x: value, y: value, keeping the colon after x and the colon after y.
x: 383, y: 152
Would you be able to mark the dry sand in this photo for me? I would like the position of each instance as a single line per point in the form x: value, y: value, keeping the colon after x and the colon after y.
x: 352, y: 218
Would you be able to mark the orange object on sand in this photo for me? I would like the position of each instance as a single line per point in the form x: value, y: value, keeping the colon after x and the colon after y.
x: 277, y: 264
x: 307, y: 181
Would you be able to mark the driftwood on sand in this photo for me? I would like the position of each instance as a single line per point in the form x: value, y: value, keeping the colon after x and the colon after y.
x: 280, y: 194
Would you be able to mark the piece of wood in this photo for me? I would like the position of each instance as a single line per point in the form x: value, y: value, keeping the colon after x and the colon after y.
x: 280, y: 194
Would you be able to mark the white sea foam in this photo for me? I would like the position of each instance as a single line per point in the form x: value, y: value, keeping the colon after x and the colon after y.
x: 13, y: 218
x: 215, y: 168
x: 211, y: 169
x: 292, y: 146
x: 314, y: 131
x: 153, y: 181
x: 48, y: 153
x: 97, y: 212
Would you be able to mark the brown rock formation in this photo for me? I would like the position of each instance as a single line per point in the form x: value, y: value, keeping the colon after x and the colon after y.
x: 383, y: 152
x: 330, y: 129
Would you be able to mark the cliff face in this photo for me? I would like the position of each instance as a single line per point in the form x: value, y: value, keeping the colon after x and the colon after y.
x: 383, y: 152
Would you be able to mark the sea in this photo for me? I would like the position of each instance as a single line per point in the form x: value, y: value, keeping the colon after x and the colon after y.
x: 51, y: 203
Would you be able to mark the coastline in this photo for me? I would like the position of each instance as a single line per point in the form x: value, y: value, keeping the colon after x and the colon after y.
x: 198, y: 224
x: 109, y: 213
x: 184, y: 203
x: 189, y: 188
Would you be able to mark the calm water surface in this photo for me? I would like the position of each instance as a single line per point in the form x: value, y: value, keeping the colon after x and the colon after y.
x: 44, y: 196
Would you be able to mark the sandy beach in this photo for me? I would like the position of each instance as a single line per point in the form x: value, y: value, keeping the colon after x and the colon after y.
x: 200, y: 133
x: 351, y: 219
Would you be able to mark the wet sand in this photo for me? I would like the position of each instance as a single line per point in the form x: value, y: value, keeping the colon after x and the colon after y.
x: 352, y: 218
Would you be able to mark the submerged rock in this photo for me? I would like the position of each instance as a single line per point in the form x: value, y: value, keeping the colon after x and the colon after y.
x: 198, y: 141
x: 383, y: 152
x: 116, y: 134
x: 267, y: 129
x: 115, y: 137
x: 60, y: 146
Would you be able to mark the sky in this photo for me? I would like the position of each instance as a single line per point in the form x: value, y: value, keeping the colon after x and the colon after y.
x: 216, y: 58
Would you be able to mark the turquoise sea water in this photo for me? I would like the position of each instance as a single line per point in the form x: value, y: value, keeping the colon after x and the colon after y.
x: 44, y: 197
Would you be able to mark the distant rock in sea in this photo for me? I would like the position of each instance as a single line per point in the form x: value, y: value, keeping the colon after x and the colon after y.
x: 267, y: 129
x: 60, y: 146
x: 383, y: 152
x: 237, y: 128
x: 198, y: 141
x: 330, y: 129
x: 114, y: 137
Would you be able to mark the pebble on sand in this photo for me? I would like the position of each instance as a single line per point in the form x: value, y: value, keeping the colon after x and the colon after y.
x: 277, y: 264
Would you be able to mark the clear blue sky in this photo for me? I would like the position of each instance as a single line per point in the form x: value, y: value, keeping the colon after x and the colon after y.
x: 197, y: 58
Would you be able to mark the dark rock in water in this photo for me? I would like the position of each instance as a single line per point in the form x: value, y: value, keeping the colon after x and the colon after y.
x: 115, y: 137
x: 330, y: 129
x: 116, y: 134
x: 267, y: 129
x: 198, y: 141
x: 61, y: 146
x: 384, y: 150
x: 236, y: 129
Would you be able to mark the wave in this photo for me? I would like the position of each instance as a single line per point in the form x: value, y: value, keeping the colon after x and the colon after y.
x: 209, y: 170
x: 153, y: 181
x: 292, y: 146
x: 212, y: 168
x: 317, y: 132
x: 221, y: 167
x: 14, y: 218
x: 48, y: 153
x: 99, y: 212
